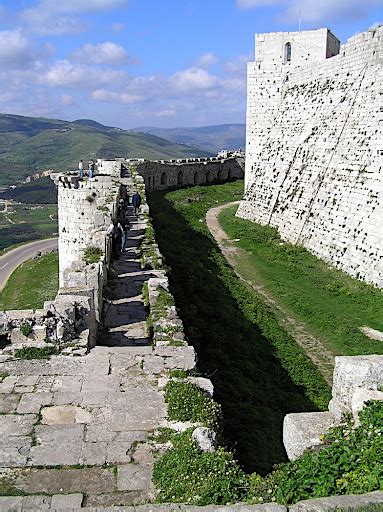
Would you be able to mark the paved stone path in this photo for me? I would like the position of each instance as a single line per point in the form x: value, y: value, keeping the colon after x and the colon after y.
x: 124, y: 311
x: 80, y: 426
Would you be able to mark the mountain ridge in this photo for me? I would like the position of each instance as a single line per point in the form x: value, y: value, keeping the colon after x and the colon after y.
x: 32, y: 144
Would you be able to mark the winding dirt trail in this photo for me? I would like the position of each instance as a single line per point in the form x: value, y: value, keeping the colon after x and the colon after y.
x: 239, y: 258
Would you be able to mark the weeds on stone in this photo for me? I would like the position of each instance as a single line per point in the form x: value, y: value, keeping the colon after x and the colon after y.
x: 92, y: 254
x: 3, y: 375
x: 187, y: 402
x: 26, y: 329
x: 36, y: 352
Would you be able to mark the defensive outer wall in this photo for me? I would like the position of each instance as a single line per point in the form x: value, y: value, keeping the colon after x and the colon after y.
x: 86, y: 208
x: 314, y: 149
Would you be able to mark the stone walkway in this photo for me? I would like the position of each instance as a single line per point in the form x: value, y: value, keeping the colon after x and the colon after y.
x: 80, y: 426
x: 124, y: 310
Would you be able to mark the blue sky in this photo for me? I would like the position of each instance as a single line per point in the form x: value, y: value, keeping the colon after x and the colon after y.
x: 132, y: 63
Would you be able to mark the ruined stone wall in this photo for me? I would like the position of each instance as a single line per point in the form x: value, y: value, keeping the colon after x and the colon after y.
x: 314, y: 151
x: 162, y: 175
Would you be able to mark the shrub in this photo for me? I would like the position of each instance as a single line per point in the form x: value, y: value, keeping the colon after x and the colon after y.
x: 92, y: 254
x: 187, y: 402
x: 36, y: 352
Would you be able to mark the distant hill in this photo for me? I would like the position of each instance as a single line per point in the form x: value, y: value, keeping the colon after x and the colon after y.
x: 211, y: 138
x: 29, y: 144
x: 42, y: 191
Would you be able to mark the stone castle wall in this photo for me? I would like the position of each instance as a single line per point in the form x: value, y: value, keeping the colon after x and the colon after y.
x: 162, y: 175
x: 314, y: 151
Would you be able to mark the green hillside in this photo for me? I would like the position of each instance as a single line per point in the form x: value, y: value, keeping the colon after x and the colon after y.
x: 29, y: 144
x: 211, y: 138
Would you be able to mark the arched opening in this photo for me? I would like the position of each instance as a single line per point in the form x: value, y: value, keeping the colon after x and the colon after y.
x: 196, y: 178
x: 230, y: 175
x: 164, y: 179
x: 220, y: 175
x: 180, y: 178
x: 209, y: 177
x: 287, y: 52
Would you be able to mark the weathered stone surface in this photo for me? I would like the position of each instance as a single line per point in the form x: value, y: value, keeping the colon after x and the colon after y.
x: 67, y: 501
x: 350, y: 502
x: 205, y: 438
x: 359, y: 399
x: 116, y: 500
x: 316, y: 174
x: 204, y: 384
x: 65, y: 415
x: 57, y: 445
x: 32, y: 402
x: 14, y: 450
x: 16, y: 425
x: 66, y: 383
x: 303, y: 430
x: 67, y: 481
x: 351, y: 374
x: 8, y: 403
x: 93, y: 454
x: 134, y: 477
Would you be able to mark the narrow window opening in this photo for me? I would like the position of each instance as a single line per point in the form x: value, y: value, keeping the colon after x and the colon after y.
x: 287, y: 52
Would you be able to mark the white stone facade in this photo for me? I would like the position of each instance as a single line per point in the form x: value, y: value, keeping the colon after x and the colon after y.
x: 314, y: 149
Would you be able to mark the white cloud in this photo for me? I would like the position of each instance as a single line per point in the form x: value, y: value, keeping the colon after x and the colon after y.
x: 55, y: 17
x: 67, y: 100
x: 249, y: 4
x: 206, y: 60
x: 169, y: 112
x: 315, y: 11
x: 193, y: 79
x: 239, y: 64
x: 15, y: 49
x: 102, y: 53
x: 66, y: 74
x: 115, y: 97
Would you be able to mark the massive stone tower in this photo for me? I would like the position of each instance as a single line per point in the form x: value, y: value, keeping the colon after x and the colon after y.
x: 314, y: 149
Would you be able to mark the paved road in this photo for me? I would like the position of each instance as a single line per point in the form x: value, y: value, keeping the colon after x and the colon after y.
x: 12, y: 259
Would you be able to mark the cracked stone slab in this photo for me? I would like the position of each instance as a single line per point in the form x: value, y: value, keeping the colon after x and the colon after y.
x: 67, y: 383
x: 67, y: 501
x: 15, y: 451
x: 59, y: 481
x: 133, y: 477
x: 32, y: 402
x: 57, y: 445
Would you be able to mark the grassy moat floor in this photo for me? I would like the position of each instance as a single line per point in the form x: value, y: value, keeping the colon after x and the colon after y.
x: 259, y: 372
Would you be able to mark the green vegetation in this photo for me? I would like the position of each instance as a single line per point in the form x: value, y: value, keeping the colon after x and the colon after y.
x: 92, y: 254
x: 41, y: 191
x: 187, y: 402
x: 331, y: 303
x: 350, y: 464
x: 26, y: 328
x: 28, y: 145
x: 2, y: 376
x: 184, y: 474
x: 259, y: 373
x: 36, y: 352
x: 32, y: 283
x: 23, y: 223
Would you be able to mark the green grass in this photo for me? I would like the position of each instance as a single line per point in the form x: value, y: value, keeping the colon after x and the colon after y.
x: 32, y: 283
x: 259, y: 373
x: 332, y: 304
x: 30, y: 222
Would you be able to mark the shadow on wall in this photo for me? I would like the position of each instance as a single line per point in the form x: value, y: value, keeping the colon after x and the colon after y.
x: 253, y: 388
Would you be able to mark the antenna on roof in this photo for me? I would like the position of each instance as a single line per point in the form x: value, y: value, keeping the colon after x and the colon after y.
x: 300, y: 20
